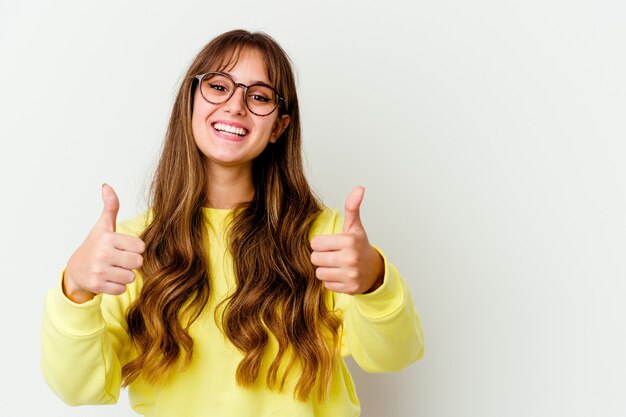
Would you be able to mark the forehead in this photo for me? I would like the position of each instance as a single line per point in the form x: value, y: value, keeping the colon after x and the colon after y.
x: 248, y: 63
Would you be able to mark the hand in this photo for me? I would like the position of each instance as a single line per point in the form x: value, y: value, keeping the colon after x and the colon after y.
x: 105, y: 260
x: 346, y: 262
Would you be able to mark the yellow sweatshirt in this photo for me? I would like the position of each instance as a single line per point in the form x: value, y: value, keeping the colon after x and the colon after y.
x: 84, y: 346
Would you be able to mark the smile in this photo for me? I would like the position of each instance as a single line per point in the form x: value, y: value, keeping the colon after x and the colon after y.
x: 230, y: 130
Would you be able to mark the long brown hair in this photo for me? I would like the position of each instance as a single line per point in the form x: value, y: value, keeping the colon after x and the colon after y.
x: 276, y: 288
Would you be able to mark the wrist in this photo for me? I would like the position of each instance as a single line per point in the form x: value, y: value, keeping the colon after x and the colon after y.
x: 380, y: 273
x: 376, y: 285
x: 73, y: 292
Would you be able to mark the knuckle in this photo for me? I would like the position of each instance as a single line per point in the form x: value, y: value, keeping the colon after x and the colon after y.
x: 319, y: 273
x: 352, y: 274
x: 96, y: 286
x: 120, y: 289
x: 141, y: 246
x: 100, y: 255
x: 139, y: 261
x: 352, y: 259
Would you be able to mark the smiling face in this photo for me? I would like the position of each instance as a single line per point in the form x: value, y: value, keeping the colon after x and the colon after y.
x: 228, y: 134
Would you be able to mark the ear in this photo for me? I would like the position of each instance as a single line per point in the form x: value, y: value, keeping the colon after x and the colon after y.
x: 279, y: 127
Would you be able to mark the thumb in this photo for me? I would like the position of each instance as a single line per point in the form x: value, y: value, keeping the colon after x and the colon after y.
x: 111, y: 207
x: 352, y: 217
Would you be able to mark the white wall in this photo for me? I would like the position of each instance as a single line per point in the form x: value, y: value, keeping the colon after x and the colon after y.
x: 493, y: 162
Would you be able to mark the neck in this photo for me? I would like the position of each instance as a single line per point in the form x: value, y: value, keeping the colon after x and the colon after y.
x: 229, y: 186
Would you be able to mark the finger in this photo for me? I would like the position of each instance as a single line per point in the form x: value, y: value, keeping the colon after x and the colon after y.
x: 322, y: 243
x: 128, y: 243
x: 111, y: 207
x: 112, y: 281
x: 352, y: 216
x: 118, y: 275
x: 126, y: 260
x: 112, y: 288
x: 335, y: 286
x: 336, y: 279
x: 325, y: 275
x: 328, y: 259
x: 330, y: 274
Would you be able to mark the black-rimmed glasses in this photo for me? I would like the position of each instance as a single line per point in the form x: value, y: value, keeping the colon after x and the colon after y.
x: 218, y: 87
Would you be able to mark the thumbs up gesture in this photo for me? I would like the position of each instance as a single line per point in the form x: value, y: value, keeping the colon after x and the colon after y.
x: 105, y: 260
x: 346, y: 262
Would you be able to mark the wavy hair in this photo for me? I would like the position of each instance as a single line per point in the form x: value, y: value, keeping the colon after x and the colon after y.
x: 277, y: 291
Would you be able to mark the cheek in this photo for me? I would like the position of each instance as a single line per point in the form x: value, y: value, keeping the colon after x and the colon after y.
x: 267, y: 127
x: 201, y: 108
x: 265, y: 134
x: 199, y: 117
x: 196, y: 126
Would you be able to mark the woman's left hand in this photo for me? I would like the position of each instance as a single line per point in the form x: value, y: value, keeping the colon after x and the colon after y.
x: 346, y: 262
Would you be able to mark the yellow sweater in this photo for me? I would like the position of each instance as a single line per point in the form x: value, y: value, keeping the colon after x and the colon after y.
x: 84, y: 346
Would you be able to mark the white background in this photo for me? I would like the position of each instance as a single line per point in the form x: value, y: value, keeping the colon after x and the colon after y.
x: 489, y: 136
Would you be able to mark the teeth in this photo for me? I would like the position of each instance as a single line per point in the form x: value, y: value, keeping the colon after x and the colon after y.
x: 230, y: 129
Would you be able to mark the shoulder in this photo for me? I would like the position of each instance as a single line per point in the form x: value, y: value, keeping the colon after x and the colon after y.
x: 134, y: 226
x: 329, y: 221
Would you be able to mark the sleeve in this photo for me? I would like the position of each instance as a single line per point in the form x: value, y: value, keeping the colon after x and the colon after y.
x: 84, y: 346
x: 381, y: 330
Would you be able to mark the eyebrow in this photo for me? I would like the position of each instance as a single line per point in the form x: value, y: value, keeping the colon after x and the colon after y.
x: 252, y: 82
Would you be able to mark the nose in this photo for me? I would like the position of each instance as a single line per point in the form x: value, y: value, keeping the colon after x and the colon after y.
x: 236, y: 103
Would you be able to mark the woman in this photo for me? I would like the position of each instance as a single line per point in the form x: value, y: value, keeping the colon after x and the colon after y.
x: 237, y: 293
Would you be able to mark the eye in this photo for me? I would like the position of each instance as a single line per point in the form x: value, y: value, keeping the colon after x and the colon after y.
x: 260, y: 94
x: 218, y: 87
x: 258, y: 97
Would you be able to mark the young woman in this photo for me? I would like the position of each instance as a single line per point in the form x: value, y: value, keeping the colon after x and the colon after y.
x: 237, y: 293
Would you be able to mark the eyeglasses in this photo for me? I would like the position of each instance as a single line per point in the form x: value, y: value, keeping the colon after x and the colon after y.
x: 218, y: 87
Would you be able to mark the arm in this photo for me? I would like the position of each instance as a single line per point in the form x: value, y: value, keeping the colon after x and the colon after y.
x: 84, y: 346
x: 382, y: 329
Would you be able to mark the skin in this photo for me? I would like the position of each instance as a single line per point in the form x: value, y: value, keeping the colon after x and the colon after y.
x: 345, y: 262
x: 105, y: 261
x: 229, y: 163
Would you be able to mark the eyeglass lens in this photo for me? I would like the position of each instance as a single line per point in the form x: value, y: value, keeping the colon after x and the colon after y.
x: 260, y: 99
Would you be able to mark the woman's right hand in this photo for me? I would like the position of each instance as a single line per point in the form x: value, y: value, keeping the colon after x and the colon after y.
x: 105, y: 260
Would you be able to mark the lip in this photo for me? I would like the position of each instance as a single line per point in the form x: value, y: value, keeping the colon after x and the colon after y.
x: 226, y: 122
x: 227, y: 137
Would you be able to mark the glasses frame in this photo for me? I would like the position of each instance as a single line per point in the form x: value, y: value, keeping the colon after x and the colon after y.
x: 200, y: 77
